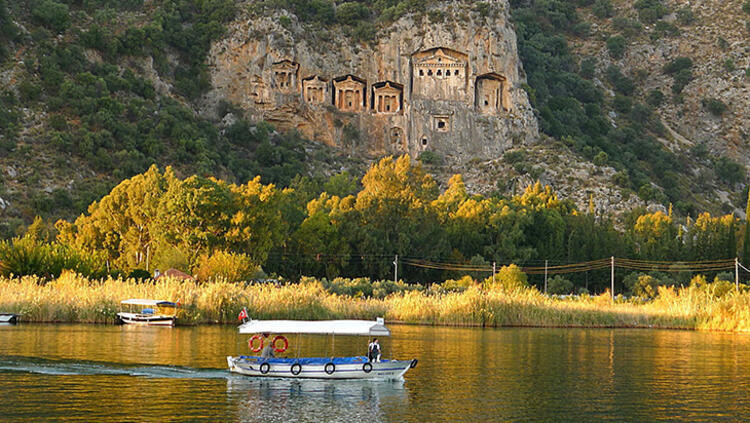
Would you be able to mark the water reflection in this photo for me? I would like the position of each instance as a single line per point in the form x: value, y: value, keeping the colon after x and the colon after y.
x: 283, y: 400
x: 116, y: 373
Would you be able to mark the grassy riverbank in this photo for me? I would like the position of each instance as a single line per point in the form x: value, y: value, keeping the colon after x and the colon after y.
x: 72, y: 298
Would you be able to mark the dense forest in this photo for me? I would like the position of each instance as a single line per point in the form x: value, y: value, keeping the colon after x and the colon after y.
x: 83, y: 74
x: 338, y: 227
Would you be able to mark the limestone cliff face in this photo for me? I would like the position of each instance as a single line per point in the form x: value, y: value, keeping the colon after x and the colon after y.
x: 717, y: 37
x: 451, y: 87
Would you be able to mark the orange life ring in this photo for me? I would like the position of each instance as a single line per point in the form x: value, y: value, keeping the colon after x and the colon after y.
x: 280, y: 338
x: 252, y: 340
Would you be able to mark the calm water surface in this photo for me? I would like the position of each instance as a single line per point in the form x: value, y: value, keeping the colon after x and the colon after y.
x: 123, y: 373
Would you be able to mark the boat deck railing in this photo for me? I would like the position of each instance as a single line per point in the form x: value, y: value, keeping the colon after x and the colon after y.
x: 309, y: 360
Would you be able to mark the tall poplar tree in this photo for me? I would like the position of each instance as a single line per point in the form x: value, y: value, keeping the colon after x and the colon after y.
x: 746, y: 240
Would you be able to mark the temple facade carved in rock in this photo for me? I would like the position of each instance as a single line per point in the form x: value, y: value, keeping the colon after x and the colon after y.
x: 457, y: 93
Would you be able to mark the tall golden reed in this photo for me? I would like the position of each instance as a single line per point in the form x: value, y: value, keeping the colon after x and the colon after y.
x: 72, y: 298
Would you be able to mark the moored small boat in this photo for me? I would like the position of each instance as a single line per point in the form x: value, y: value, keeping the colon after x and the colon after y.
x: 152, y: 314
x: 9, y: 318
x: 357, y: 367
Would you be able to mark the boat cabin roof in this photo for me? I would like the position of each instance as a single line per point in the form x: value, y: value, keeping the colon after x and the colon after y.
x: 324, y: 327
x: 156, y: 303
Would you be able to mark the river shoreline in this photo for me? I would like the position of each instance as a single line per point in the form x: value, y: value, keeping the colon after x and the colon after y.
x: 75, y: 299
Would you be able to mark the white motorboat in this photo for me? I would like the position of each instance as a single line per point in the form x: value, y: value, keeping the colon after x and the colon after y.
x: 357, y: 367
x: 153, y: 313
x: 8, y: 318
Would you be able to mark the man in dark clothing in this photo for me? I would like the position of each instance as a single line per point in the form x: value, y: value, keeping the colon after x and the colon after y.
x: 373, y: 351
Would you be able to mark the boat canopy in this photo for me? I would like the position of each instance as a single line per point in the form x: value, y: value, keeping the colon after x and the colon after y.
x: 325, y: 327
x: 156, y: 303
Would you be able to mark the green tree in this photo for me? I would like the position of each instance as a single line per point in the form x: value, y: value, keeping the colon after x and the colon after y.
x: 51, y: 14
x: 616, y: 46
x: 746, y: 238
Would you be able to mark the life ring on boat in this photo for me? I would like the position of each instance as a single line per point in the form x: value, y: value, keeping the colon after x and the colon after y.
x: 296, y: 369
x: 367, y: 367
x: 264, y: 368
x: 413, y: 363
x: 252, y: 340
x: 280, y: 338
x: 330, y: 368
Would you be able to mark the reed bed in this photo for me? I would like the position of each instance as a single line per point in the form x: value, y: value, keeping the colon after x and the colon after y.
x: 73, y: 298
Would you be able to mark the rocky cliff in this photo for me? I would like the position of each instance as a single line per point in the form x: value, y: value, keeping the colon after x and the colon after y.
x: 714, y: 36
x: 450, y: 86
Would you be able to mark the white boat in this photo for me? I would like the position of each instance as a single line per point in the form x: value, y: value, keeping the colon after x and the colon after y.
x: 9, y: 318
x: 154, y: 313
x: 357, y: 367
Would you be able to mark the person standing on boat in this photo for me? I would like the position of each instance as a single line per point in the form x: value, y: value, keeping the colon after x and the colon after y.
x: 373, y: 351
x: 267, y: 351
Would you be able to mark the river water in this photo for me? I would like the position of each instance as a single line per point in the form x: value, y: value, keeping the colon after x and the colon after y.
x: 124, y: 373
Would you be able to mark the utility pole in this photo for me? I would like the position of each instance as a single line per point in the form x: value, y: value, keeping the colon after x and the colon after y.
x: 395, y: 269
x: 545, y: 276
x: 737, y: 273
x: 613, y: 277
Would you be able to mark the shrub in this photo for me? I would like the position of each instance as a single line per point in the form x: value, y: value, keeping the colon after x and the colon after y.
x: 681, y: 79
x: 655, y: 97
x: 622, y: 104
x: 622, y: 83
x: 560, y: 286
x: 650, y: 11
x: 665, y: 29
x: 714, y: 106
x: 29, y: 256
x: 616, y: 46
x: 603, y: 9
x: 51, y: 14
x: 677, y: 65
x: 685, y: 16
x: 729, y: 65
x: 582, y: 29
x: 729, y: 171
x: 628, y: 27
x: 646, y: 286
x: 601, y: 159
x: 29, y: 91
x: 350, y: 13
x: 746, y: 6
x: 514, y: 156
x: 365, y: 31
x: 285, y: 22
x: 232, y: 267
x: 510, y: 277
x: 431, y: 157
x: 588, y: 67
x: 459, y: 285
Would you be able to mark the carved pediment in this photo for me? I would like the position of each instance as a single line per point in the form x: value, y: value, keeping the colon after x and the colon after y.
x: 285, y: 66
x: 388, y: 88
x: 440, y: 56
x: 493, y: 76
x: 349, y: 82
